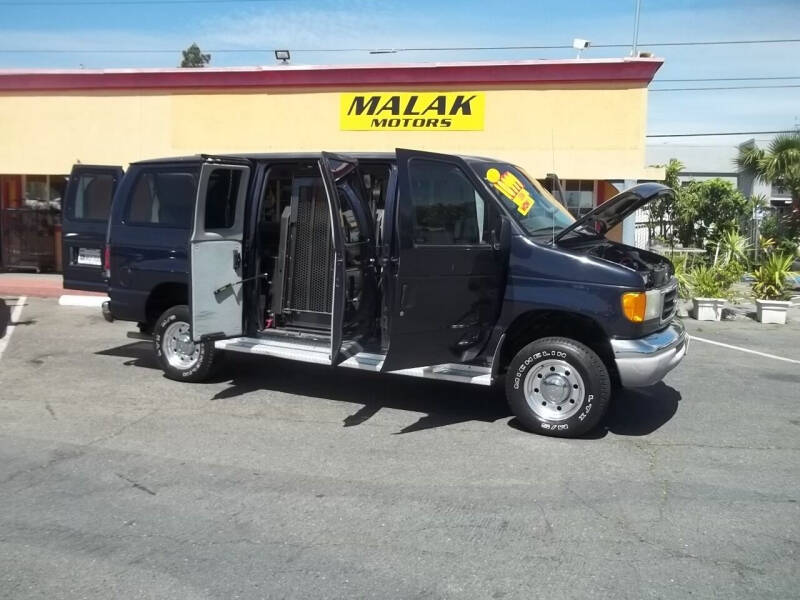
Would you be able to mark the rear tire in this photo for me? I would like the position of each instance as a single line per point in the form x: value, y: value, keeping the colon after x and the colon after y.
x: 179, y: 357
x: 558, y: 386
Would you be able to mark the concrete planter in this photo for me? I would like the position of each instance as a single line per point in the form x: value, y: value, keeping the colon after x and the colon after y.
x: 772, y: 311
x: 707, y: 309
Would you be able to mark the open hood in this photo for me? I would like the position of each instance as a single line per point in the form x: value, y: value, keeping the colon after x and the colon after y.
x: 613, y: 211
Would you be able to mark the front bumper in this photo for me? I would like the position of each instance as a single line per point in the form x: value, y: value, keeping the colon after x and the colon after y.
x: 645, y: 361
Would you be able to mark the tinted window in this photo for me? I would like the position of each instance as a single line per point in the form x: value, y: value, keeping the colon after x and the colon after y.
x: 447, y: 208
x: 221, y: 196
x: 93, y: 197
x: 163, y: 198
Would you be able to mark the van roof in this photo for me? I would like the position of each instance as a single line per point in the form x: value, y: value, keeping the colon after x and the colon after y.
x: 260, y: 156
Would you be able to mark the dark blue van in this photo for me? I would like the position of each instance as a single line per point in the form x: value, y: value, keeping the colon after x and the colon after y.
x: 415, y: 263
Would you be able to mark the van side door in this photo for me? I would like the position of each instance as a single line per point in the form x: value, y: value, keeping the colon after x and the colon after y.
x: 215, y: 254
x: 84, y: 216
x: 354, y: 311
x: 448, y: 262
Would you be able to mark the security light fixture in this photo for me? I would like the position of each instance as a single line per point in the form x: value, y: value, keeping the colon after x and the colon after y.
x: 282, y: 55
x: 580, y: 45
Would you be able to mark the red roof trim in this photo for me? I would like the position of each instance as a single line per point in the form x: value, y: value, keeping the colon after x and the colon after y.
x: 452, y: 74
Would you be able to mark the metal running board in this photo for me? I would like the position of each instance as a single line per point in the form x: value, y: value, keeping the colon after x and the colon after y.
x: 319, y: 353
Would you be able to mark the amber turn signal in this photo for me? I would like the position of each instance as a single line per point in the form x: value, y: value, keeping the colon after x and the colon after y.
x: 634, y: 305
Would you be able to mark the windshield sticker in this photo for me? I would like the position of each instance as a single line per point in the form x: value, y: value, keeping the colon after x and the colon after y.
x: 512, y: 188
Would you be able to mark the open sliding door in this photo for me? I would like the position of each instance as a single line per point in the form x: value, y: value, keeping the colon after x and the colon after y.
x: 216, y: 250
x: 354, y: 282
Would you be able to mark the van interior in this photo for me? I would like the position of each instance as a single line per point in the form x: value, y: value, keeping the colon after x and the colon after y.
x: 295, y: 246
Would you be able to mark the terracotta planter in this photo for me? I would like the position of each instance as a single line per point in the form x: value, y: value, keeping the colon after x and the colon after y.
x: 707, y: 309
x: 772, y: 311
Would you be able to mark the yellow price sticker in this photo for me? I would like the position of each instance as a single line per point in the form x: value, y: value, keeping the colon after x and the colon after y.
x: 512, y: 188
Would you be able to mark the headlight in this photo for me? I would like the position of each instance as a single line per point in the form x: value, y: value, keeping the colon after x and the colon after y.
x: 642, y: 306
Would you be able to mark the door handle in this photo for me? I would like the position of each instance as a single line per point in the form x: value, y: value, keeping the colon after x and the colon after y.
x: 237, y: 260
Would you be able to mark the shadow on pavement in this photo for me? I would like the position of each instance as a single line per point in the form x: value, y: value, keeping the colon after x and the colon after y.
x: 640, y: 411
x: 442, y: 403
x: 139, y: 353
x: 632, y: 412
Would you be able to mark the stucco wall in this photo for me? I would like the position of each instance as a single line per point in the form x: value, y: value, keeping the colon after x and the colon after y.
x: 582, y: 131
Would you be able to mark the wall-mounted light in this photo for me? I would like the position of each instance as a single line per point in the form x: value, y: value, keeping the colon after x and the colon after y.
x: 282, y: 55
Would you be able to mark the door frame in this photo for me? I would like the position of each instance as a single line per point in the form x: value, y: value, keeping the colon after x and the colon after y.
x: 329, y: 179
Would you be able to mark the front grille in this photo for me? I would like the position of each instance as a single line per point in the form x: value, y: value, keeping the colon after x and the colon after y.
x: 670, y: 304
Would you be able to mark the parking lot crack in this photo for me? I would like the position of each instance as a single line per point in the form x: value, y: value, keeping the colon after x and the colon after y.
x: 136, y: 484
x: 49, y: 409
x: 122, y: 429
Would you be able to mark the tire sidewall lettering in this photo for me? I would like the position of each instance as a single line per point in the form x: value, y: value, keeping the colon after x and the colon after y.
x: 518, y: 376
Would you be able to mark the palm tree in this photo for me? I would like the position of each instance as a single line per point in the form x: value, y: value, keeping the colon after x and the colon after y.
x: 780, y: 162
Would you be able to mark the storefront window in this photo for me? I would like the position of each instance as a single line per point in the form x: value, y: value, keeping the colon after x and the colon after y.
x: 58, y: 187
x: 579, y: 196
x: 36, y: 192
x: 30, y: 217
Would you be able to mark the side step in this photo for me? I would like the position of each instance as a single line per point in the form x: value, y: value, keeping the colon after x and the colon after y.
x: 319, y: 353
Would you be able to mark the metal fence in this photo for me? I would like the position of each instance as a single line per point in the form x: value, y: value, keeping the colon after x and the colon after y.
x: 28, y: 238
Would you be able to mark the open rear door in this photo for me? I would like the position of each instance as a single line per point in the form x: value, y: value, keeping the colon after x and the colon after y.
x: 84, y: 217
x: 216, y: 249
x: 354, y: 289
x: 448, y: 263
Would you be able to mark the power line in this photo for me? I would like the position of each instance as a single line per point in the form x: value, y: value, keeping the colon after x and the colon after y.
x: 125, y: 2
x: 727, y: 79
x: 670, y: 135
x: 724, y: 87
x: 388, y: 50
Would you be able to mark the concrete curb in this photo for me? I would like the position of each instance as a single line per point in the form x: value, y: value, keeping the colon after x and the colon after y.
x: 90, y: 301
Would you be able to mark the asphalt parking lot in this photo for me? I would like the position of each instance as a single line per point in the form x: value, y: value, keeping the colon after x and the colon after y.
x: 284, y: 480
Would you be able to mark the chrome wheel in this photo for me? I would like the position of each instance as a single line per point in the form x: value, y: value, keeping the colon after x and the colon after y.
x: 179, y: 349
x: 554, y: 390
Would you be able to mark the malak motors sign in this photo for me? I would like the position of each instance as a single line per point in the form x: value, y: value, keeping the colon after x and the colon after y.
x: 412, y: 111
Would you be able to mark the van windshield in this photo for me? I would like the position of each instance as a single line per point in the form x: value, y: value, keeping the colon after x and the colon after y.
x: 539, y: 214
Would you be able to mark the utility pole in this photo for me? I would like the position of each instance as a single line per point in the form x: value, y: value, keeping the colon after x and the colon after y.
x: 634, y: 49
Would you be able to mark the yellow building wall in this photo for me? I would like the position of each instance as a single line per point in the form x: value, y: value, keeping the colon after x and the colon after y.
x: 583, y: 131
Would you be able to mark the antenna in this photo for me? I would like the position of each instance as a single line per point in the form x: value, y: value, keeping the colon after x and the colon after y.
x: 553, y: 214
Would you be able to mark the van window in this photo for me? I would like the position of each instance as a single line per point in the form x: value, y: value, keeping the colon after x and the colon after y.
x: 92, y: 197
x: 447, y: 209
x: 221, y: 196
x: 164, y: 198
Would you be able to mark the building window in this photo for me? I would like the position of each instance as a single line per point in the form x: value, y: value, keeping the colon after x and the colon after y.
x: 579, y: 196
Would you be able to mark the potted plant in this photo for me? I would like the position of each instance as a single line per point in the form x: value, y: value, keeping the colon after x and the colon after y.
x: 710, y: 289
x: 770, y: 288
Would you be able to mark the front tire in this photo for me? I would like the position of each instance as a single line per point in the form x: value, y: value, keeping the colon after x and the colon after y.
x: 558, y: 386
x: 180, y: 358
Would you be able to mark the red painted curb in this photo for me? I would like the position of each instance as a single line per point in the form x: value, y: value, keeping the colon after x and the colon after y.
x: 37, y: 289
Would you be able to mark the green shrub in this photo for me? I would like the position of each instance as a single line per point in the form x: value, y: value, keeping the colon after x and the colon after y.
x: 709, y: 282
x: 771, y: 277
x: 681, y: 263
x: 733, y: 247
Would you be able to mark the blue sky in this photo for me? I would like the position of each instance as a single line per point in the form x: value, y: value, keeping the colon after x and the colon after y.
x: 299, y: 24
